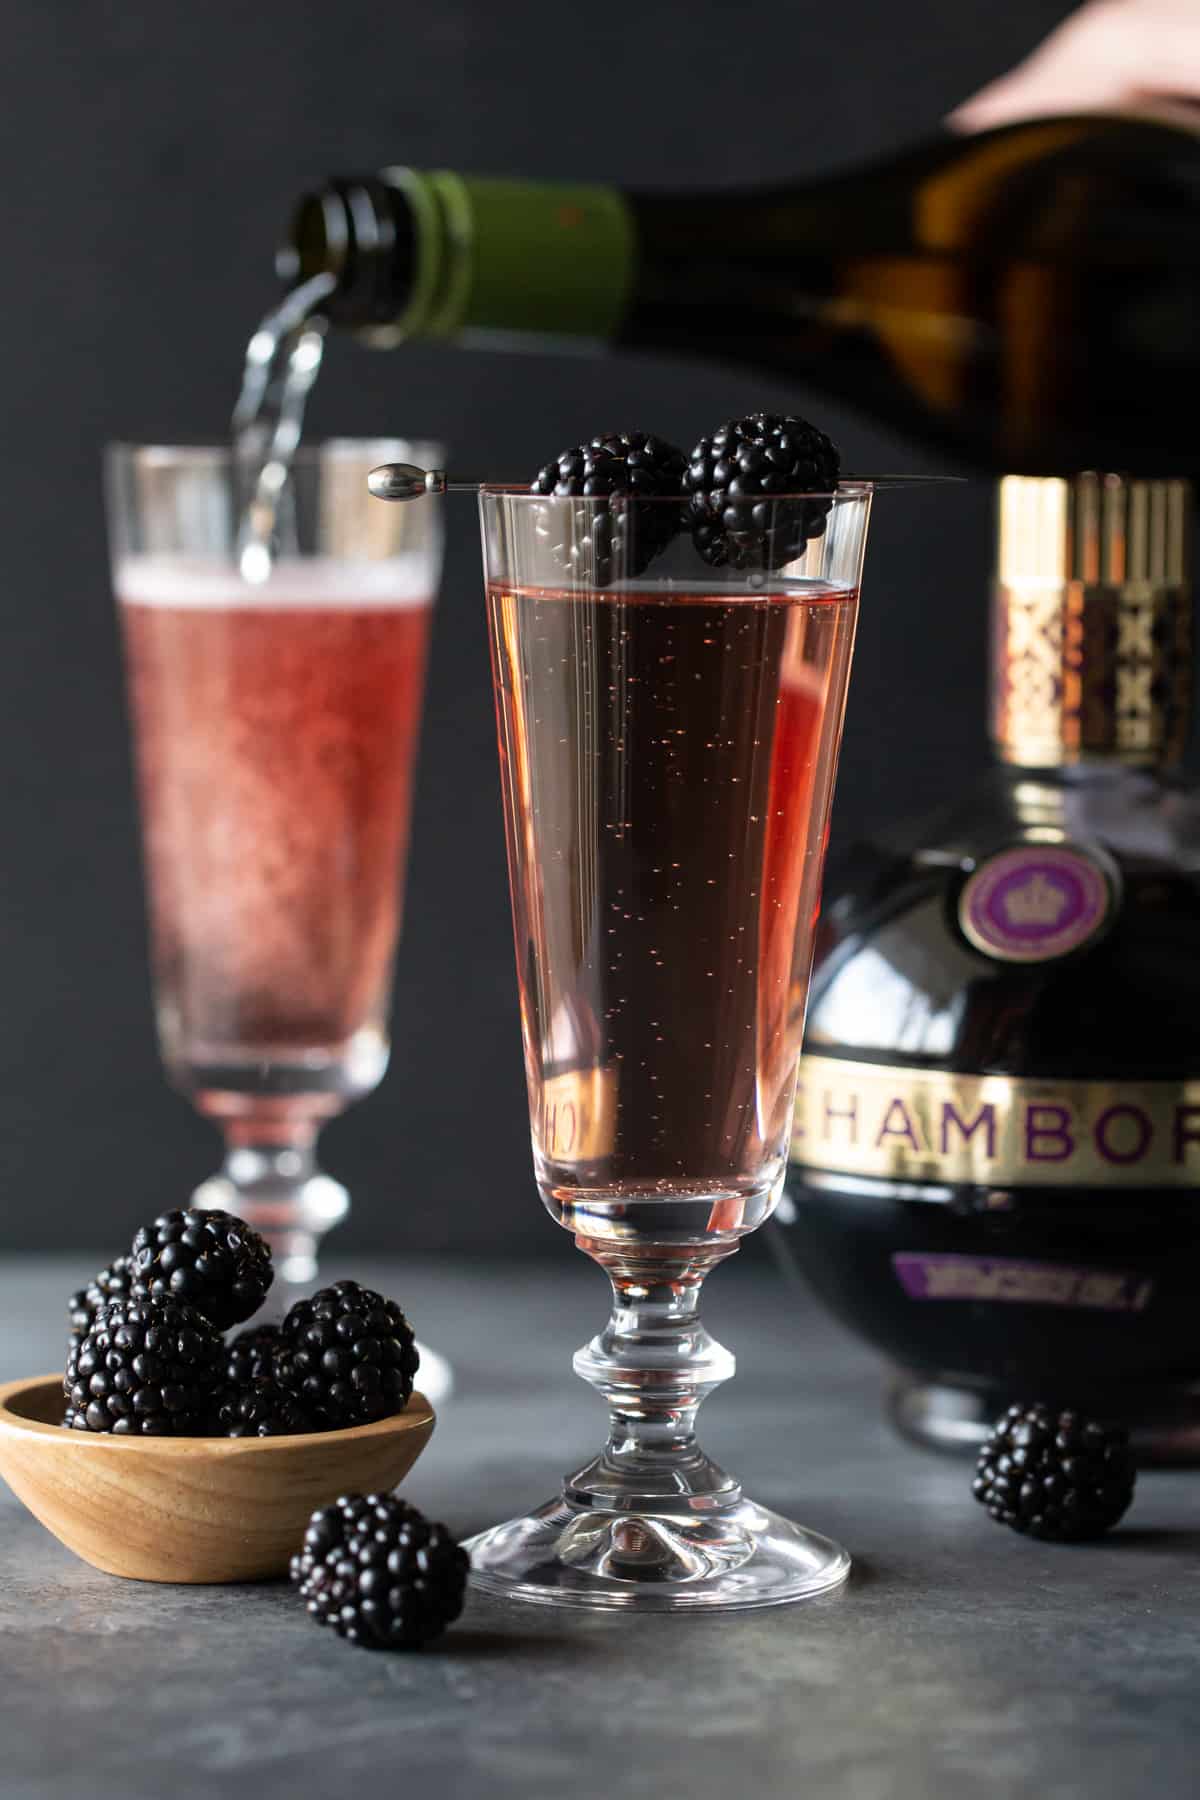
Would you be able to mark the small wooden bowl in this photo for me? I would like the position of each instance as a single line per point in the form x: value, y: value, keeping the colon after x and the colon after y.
x: 190, y: 1509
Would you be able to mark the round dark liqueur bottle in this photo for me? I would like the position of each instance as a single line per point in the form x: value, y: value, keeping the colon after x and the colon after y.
x: 995, y: 1173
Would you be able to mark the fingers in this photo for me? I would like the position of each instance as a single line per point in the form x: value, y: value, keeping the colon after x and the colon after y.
x: 1112, y: 54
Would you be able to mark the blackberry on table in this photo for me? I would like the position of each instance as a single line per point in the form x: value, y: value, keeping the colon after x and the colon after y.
x: 113, y: 1283
x: 348, y: 1355
x: 251, y: 1355
x: 379, y: 1573
x: 598, y: 543
x: 1055, y: 1475
x: 261, y: 1408
x: 737, y: 482
x: 210, y: 1260
x: 327, y: 1531
x: 148, y: 1366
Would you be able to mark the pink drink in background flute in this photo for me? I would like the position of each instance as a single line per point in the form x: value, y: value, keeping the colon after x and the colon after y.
x: 275, y: 730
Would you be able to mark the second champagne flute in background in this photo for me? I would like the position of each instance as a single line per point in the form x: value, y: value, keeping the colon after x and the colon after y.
x: 275, y: 727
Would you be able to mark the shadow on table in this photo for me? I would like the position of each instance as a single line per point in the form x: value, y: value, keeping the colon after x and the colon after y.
x: 479, y: 1641
x: 863, y: 1573
x: 1148, y: 1537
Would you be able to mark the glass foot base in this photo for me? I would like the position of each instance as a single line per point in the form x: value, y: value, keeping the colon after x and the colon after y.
x: 740, y: 1556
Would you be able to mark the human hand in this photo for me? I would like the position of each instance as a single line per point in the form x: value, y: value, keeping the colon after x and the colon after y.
x: 1111, y: 55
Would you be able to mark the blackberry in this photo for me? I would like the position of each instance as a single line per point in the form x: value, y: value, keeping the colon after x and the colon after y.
x: 1055, y: 1475
x: 379, y: 1573
x: 206, y: 1259
x: 113, y: 1283
x: 733, y: 478
x: 250, y: 1356
x: 260, y: 1408
x: 148, y: 1366
x: 598, y: 544
x: 327, y: 1531
x: 348, y: 1356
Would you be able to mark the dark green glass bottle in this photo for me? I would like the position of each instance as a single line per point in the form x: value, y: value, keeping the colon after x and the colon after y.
x: 1028, y: 298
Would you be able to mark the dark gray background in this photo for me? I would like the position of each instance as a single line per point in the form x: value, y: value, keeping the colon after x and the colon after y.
x: 150, y: 156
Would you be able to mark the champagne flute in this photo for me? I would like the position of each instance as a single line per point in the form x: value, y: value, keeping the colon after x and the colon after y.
x: 275, y: 727
x: 668, y: 735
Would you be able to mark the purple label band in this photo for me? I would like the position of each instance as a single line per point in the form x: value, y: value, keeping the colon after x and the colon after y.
x: 1000, y: 1280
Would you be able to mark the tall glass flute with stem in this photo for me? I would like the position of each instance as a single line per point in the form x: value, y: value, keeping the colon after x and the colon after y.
x: 669, y: 735
x: 275, y: 728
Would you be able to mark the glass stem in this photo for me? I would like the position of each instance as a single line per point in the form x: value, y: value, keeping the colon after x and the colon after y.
x: 654, y: 1362
x: 271, y: 1180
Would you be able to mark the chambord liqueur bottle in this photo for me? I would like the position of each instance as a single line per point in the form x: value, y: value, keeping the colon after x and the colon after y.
x: 996, y: 1157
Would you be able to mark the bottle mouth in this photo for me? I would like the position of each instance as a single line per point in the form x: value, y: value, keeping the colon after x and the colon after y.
x: 318, y: 238
x: 360, y: 230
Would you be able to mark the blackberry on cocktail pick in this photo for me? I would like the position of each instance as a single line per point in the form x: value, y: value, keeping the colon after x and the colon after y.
x: 1055, y: 1475
x: 148, y: 1366
x: 737, y: 482
x: 113, y: 1283
x: 612, y: 537
x: 211, y: 1260
x: 379, y: 1573
x: 348, y: 1355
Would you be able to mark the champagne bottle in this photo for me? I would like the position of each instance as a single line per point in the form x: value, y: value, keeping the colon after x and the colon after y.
x: 1028, y: 299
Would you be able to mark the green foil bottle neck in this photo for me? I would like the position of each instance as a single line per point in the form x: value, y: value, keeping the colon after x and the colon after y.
x: 501, y: 257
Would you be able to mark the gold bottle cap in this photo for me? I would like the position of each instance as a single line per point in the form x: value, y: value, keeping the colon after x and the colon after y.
x: 1092, y: 620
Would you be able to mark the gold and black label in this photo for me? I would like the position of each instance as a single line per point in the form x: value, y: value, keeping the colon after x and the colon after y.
x: 920, y: 1125
x: 1092, y: 621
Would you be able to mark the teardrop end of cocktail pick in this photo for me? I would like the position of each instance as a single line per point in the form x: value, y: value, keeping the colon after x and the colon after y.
x: 405, y: 481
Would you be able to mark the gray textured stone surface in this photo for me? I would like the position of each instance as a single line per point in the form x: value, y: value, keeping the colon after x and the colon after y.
x: 961, y: 1660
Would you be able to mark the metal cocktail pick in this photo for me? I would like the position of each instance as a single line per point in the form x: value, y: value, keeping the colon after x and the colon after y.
x: 405, y: 481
